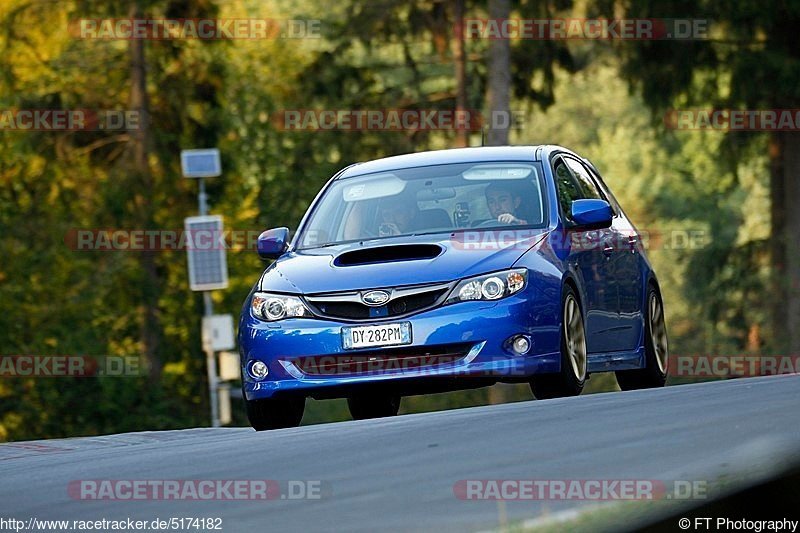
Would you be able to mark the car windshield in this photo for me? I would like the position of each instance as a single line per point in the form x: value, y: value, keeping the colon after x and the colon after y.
x: 432, y: 199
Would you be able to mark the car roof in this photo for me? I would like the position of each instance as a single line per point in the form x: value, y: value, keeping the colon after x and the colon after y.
x: 456, y: 155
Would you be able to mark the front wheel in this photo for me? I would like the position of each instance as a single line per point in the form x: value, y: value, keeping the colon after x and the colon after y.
x: 570, y: 380
x: 373, y: 406
x: 275, y: 413
x: 656, y: 348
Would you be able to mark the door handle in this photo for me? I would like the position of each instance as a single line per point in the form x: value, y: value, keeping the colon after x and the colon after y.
x: 632, y: 241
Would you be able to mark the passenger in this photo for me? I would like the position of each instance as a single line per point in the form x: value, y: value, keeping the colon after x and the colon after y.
x: 398, y: 216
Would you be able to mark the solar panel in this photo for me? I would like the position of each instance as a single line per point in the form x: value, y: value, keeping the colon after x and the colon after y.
x: 205, y: 247
x: 203, y: 163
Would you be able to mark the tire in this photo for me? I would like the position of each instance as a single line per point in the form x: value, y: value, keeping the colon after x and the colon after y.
x: 570, y: 380
x: 275, y: 413
x: 367, y: 406
x: 656, y: 348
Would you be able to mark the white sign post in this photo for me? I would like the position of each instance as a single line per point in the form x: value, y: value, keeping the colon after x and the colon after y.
x: 208, y: 268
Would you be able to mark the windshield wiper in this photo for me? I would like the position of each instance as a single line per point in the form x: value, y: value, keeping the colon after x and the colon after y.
x: 430, y: 232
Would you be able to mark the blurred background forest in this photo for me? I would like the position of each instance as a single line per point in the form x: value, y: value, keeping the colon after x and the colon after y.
x: 604, y: 99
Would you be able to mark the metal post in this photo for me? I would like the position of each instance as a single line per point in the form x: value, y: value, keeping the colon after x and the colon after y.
x: 211, y: 366
x: 202, y: 198
x: 211, y: 361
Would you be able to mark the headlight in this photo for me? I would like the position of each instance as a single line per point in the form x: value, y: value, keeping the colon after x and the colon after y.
x: 489, y: 286
x: 271, y: 307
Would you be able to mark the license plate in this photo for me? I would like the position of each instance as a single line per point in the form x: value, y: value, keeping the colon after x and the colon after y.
x: 378, y: 335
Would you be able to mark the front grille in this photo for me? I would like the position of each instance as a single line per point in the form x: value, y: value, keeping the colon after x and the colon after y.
x: 351, y: 310
x: 401, y: 302
x: 387, y: 360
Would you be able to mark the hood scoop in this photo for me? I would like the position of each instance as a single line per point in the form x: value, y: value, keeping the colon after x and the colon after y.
x: 385, y: 254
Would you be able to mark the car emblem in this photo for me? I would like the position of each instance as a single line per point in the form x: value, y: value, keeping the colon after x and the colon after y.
x: 375, y: 298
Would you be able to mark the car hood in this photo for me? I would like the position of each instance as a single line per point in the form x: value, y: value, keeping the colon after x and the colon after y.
x: 368, y: 264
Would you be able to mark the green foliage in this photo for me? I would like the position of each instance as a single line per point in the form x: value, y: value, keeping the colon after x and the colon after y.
x: 706, y: 218
x: 392, y: 54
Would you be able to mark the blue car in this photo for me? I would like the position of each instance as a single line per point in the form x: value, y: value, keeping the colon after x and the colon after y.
x: 448, y: 270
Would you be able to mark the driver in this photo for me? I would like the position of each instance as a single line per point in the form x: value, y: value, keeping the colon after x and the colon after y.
x: 504, y: 202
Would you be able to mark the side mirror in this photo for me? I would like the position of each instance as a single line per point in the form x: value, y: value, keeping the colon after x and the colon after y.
x: 591, y: 214
x: 273, y: 243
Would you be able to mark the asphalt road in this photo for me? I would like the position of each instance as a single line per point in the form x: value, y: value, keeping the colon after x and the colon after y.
x: 399, y: 474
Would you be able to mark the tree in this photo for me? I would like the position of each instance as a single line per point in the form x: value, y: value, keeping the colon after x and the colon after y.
x: 750, y: 61
x: 54, y: 300
x: 498, y: 93
x: 460, y: 68
x: 140, y: 148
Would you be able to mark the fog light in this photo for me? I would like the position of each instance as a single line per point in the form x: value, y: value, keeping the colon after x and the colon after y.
x: 259, y: 370
x: 521, y: 344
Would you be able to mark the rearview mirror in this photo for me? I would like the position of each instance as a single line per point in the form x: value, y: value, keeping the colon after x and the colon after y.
x: 273, y: 243
x: 591, y: 214
x: 433, y: 195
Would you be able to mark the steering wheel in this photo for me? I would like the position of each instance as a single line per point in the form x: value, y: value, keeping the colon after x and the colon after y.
x: 487, y: 223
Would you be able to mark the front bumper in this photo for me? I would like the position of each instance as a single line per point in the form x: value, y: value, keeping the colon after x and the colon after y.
x: 483, y: 329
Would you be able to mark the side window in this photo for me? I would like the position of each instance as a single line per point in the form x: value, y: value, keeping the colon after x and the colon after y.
x: 588, y: 186
x: 568, y: 188
x: 598, y: 179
